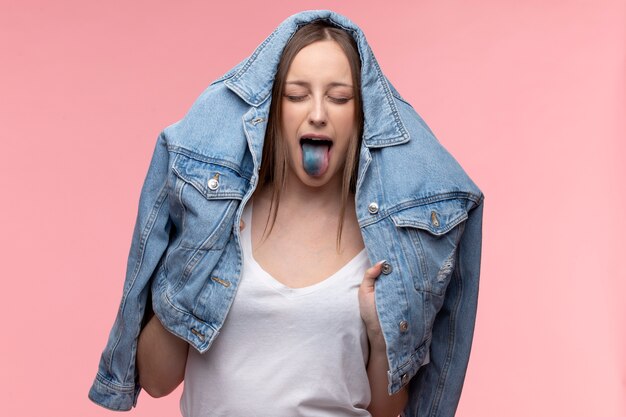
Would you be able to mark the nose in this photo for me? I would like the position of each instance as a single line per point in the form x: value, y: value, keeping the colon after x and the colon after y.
x: 318, y: 115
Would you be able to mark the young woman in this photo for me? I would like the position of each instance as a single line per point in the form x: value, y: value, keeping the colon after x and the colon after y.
x: 319, y: 180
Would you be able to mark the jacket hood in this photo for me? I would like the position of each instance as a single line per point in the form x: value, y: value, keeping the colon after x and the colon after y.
x: 254, y: 77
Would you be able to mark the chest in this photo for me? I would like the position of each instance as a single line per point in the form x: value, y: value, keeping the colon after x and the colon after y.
x: 302, y: 250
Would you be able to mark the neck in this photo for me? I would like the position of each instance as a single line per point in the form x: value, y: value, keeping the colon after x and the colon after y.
x: 320, y: 206
x: 298, y: 194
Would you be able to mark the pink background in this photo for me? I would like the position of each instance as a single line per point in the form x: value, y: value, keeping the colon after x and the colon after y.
x: 529, y: 97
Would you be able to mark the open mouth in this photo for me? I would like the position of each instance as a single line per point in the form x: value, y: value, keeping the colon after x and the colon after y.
x: 316, y: 141
x: 315, y: 155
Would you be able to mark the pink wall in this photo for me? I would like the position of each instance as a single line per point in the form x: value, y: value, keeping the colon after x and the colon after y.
x: 529, y: 96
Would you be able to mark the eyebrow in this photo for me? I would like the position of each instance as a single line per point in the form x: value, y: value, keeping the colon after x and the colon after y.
x: 306, y: 84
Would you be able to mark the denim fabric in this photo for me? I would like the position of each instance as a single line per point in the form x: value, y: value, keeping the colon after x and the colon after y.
x: 415, y: 205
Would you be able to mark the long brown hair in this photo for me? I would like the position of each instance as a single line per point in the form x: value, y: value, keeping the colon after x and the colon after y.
x: 273, y: 169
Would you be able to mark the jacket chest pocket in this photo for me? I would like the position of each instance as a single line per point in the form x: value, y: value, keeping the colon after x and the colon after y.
x: 429, y: 235
x: 205, y: 198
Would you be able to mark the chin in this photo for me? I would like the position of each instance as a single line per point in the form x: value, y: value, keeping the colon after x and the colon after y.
x: 319, y: 181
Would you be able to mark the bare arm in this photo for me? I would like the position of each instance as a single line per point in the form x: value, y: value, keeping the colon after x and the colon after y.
x: 382, y: 404
x: 161, y: 359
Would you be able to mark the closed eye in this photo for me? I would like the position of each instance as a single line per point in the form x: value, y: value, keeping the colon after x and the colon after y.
x: 340, y: 100
x: 295, y: 98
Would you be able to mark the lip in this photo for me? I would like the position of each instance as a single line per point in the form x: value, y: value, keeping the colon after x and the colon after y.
x: 316, y: 136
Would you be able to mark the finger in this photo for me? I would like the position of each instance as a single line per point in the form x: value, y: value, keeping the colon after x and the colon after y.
x: 372, y: 273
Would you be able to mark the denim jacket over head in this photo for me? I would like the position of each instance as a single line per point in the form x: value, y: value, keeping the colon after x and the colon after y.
x: 416, y: 208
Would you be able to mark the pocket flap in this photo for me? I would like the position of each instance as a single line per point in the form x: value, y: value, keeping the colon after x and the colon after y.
x: 437, y: 218
x: 211, y: 180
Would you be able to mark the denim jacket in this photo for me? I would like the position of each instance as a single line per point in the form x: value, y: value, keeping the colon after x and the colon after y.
x: 416, y: 208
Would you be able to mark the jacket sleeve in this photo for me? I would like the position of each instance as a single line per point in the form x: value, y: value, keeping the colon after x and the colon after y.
x: 436, y: 389
x: 116, y: 384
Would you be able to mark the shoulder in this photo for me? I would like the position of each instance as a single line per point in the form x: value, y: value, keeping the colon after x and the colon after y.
x: 421, y: 167
x: 212, y: 129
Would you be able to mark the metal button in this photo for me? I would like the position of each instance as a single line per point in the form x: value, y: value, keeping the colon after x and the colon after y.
x: 198, y: 334
x: 386, y: 268
x: 404, y: 326
x: 404, y: 379
x: 221, y: 281
x: 214, y: 182
x: 372, y: 208
x: 433, y: 219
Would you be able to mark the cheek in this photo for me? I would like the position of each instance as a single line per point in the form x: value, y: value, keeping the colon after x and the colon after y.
x: 346, y: 127
x: 289, y: 121
x: 345, y: 118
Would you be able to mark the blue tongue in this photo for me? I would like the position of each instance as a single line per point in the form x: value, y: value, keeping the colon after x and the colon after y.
x: 314, y: 158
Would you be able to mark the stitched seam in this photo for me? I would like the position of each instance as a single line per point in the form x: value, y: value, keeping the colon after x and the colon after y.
x: 186, y: 313
x: 216, y: 195
x: 453, y: 195
x: 142, y: 246
x: 423, y: 264
x: 451, y: 337
x: 207, y: 159
x: 114, y: 385
x: 426, y: 226
x: 390, y: 101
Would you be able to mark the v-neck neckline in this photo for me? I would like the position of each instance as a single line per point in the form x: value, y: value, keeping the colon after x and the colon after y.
x: 279, y: 286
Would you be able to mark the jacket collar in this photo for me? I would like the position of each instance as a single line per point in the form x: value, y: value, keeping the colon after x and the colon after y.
x: 253, y: 81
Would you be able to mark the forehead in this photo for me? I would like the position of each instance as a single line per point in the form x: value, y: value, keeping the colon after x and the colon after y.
x: 320, y: 62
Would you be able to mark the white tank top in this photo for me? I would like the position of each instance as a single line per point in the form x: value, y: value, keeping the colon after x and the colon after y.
x: 284, y: 352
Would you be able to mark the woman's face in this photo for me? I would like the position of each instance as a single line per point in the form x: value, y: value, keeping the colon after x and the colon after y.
x: 318, y: 114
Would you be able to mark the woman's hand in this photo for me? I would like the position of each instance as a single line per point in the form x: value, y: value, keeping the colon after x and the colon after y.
x: 382, y: 404
x: 367, y: 302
